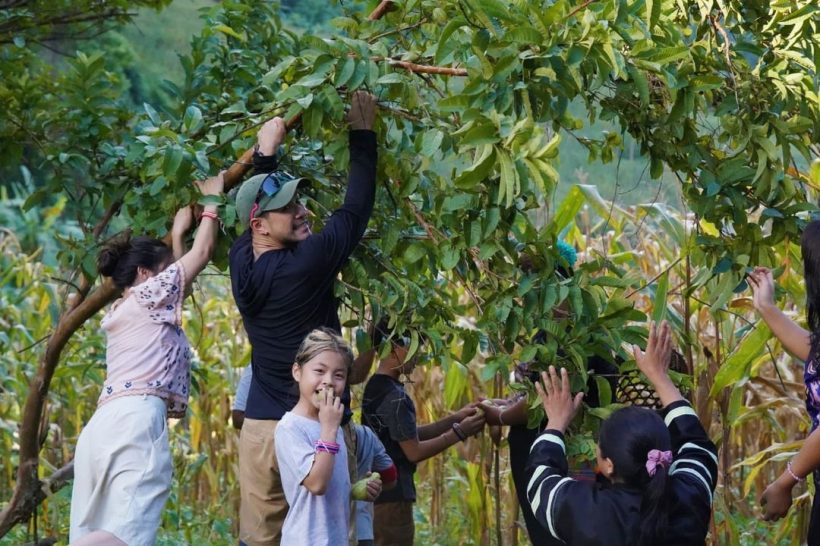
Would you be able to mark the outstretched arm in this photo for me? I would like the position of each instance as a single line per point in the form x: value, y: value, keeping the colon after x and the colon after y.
x: 654, y: 363
x: 441, y: 426
x: 777, y: 498
x: 417, y: 450
x: 328, y: 250
x: 695, y: 454
x: 795, y: 339
x: 183, y: 221
x: 195, y: 260
x: 506, y: 413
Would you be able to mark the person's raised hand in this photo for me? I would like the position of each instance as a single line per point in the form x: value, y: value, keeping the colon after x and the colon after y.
x: 762, y: 284
x: 330, y: 410
x: 183, y: 220
x: 776, y: 500
x: 654, y: 362
x: 271, y: 135
x: 212, y: 186
x: 556, y: 397
x: 362, y: 112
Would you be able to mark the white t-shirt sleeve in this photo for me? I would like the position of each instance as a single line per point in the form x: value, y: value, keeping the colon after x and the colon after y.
x: 295, y: 453
x: 241, y: 400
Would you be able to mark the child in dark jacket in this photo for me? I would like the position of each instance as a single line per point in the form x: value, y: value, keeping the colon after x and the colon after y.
x: 662, y: 468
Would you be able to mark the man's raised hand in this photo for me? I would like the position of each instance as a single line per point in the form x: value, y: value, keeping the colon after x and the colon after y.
x: 362, y: 111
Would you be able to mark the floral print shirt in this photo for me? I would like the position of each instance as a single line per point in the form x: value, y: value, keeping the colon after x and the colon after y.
x: 811, y: 377
x: 147, y: 351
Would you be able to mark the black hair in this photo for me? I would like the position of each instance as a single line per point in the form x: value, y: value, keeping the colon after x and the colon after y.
x: 120, y: 258
x: 810, y: 246
x: 382, y: 332
x: 626, y: 438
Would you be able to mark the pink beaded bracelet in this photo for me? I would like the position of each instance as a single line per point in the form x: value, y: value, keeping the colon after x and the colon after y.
x: 791, y: 472
x: 208, y: 214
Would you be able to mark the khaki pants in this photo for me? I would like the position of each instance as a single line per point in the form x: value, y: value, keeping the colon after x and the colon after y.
x: 262, y: 507
x: 393, y: 524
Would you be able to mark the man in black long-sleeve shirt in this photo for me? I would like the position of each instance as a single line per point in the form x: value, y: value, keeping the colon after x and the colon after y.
x: 282, y: 278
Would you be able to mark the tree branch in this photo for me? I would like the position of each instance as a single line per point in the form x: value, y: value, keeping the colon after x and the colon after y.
x: 26, y: 493
x: 382, y: 9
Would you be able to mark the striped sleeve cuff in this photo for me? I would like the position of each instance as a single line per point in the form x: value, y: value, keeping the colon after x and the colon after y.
x: 552, y: 436
x: 676, y: 411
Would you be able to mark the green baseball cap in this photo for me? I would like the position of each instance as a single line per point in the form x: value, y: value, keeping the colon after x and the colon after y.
x: 264, y: 192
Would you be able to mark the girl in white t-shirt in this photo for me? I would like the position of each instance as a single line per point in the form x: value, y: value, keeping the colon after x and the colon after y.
x: 310, y: 446
x: 122, y: 462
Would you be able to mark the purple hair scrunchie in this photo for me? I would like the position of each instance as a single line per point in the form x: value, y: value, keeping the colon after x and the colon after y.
x: 657, y: 457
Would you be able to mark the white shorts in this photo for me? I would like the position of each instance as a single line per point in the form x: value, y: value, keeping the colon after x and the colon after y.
x: 122, y: 471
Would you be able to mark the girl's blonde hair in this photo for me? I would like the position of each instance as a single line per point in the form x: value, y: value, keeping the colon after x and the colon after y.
x: 321, y: 340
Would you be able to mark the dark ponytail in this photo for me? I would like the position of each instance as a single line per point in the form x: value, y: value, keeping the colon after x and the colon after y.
x: 626, y: 438
x: 810, y: 247
x: 120, y: 258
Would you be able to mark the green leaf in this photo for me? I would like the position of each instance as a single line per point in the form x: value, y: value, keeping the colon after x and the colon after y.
x: 192, y: 119
x: 392, y: 77
x: 666, y: 55
x: 172, y: 161
x: 343, y: 76
x: 735, y: 370
x: 152, y: 114
x: 414, y: 252
x: 431, y: 142
x: 479, y: 170
x: 484, y: 133
x: 509, y: 178
x: 653, y: 13
x: 641, y: 84
x: 225, y: 29
x: 659, y: 299
x: 454, y: 103
x: 448, y: 31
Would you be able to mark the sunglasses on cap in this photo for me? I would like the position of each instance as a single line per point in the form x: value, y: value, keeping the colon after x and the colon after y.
x: 269, y: 187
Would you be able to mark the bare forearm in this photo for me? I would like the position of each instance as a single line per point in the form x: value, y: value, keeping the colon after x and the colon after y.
x: 197, y: 258
x: 432, y: 430
x: 178, y: 245
x: 421, y: 450
x: 795, y: 339
x: 666, y: 390
x: 807, y: 459
x: 515, y: 414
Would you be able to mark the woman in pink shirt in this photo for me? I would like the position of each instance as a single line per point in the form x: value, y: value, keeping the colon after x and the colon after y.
x: 122, y: 463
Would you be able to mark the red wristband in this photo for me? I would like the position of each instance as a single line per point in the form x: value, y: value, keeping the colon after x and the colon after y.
x: 389, y: 475
x: 208, y: 214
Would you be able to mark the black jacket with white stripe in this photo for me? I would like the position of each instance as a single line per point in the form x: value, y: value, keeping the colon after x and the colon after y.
x: 588, y: 514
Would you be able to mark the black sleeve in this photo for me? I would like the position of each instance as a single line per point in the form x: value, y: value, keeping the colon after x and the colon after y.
x: 696, y: 463
x: 560, y: 503
x: 264, y: 164
x: 345, y: 227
